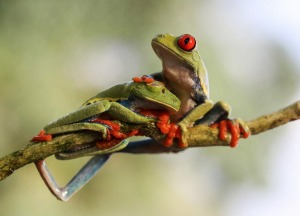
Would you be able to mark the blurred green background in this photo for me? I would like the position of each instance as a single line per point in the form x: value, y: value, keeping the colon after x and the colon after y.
x: 56, y: 54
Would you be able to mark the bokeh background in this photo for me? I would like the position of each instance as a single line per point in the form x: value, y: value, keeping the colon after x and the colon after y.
x: 56, y: 54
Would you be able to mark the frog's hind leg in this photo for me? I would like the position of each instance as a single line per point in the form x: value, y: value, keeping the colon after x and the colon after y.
x: 79, y: 126
x: 75, y: 121
x: 85, y: 174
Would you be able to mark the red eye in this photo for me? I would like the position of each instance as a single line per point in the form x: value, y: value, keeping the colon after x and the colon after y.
x: 186, y: 42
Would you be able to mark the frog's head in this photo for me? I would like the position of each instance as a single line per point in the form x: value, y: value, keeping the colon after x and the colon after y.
x: 184, y: 72
x: 155, y: 95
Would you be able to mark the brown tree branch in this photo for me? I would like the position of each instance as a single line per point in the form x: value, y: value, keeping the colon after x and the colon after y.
x: 197, y: 136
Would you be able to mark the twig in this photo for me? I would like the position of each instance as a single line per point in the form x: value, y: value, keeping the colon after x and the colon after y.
x: 197, y: 136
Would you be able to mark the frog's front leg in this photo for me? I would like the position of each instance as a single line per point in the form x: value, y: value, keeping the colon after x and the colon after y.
x: 85, y: 174
x: 189, y: 119
x: 236, y: 127
x: 217, y: 117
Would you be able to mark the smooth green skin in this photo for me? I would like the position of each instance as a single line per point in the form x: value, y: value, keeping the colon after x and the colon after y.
x: 152, y: 95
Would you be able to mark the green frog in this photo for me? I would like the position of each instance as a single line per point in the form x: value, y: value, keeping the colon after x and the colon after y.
x: 185, y: 74
x: 121, y: 103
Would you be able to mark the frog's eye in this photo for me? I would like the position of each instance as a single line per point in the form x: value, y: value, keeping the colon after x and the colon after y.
x: 186, y: 42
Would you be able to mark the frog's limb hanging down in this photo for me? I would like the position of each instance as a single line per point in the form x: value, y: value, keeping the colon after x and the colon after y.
x: 85, y: 174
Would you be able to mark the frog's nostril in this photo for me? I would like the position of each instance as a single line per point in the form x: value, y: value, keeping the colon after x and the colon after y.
x: 163, y: 91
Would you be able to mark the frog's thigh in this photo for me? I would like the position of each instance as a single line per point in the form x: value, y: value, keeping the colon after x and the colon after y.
x: 122, y: 113
x: 77, y: 127
x: 81, y: 114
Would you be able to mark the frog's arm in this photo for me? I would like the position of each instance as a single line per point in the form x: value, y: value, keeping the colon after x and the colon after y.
x: 197, y: 113
x: 217, y: 117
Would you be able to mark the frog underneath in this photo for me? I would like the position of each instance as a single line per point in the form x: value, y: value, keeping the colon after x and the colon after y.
x: 124, y: 102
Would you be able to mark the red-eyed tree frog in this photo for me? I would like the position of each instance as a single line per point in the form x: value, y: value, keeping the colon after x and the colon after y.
x: 127, y: 102
x: 185, y: 75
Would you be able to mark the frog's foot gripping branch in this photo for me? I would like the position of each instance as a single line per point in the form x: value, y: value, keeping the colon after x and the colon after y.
x: 114, y: 129
x: 114, y: 135
x: 171, y: 130
x: 42, y: 137
x: 236, y: 127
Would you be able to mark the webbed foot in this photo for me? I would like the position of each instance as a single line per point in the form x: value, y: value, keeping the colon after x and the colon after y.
x: 174, y: 132
x: 236, y: 127
x: 171, y: 130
